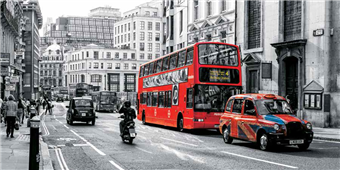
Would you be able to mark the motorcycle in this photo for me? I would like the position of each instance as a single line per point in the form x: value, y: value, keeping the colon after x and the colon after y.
x: 129, y: 132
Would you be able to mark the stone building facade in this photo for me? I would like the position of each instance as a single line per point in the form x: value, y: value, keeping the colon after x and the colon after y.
x: 291, y: 48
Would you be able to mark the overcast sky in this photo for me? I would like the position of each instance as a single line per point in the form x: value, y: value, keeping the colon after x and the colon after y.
x: 57, y: 8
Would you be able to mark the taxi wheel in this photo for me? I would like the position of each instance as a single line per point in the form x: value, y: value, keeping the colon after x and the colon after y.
x: 71, y: 121
x: 226, y: 136
x: 304, y: 147
x: 264, y: 142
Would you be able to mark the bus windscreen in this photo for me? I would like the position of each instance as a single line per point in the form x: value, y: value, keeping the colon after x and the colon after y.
x: 217, y: 54
x: 218, y: 75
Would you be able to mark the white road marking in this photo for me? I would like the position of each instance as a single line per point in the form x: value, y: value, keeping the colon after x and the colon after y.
x: 117, y: 166
x: 144, y: 150
x: 60, y: 164
x: 54, y: 127
x: 62, y: 159
x: 326, y: 141
x: 66, y: 126
x: 60, y: 145
x: 261, y: 160
x: 181, y: 155
x: 83, y: 144
x: 328, y: 148
x: 180, y: 142
x: 45, y: 128
x: 96, y: 149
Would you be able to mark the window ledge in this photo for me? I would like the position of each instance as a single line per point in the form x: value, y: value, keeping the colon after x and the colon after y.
x: 254, y: 50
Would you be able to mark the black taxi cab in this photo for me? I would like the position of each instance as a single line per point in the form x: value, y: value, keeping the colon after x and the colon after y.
x: 81, y: 109
x: 266, y: 119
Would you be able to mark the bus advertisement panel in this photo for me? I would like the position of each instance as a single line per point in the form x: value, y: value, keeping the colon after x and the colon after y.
x: 189, y: 88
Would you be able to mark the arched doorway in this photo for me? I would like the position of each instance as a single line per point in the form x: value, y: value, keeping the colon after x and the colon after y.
x: 292, y: 81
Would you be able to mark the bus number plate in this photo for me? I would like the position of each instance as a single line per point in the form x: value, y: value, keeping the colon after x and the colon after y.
x: 83, y: 114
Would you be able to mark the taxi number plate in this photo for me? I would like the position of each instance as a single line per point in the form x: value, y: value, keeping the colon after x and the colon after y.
x: 132, y: 134
x: 296, y: 141
x: 83, y: 114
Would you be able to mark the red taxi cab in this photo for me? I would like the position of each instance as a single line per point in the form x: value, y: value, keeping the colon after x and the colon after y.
x: 266, y: 119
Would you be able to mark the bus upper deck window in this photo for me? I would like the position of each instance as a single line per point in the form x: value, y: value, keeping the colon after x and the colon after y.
x: 173, y: 61
x: 146, y: 72
x: 141, y: 71
x: 165, y: 63
x: 151, y: 71
x: 159, y: 66
x: 190, y: 56
x: 181, y: 58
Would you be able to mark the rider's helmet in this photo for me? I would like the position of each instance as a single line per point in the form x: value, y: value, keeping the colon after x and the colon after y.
x: 127, y: 104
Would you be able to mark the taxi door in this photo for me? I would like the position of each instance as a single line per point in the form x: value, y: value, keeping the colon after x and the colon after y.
x: 248, y: 123
x: 236, y: 116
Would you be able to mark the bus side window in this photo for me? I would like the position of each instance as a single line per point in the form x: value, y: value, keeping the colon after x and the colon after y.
x: 165, y: 63
x: 173, y: 61
x: 189, y: 97
x: 190, y: 56
x: 181, y: 58
x: 148, y: 101
x: 169, y: 99
x: 161, y: 99
x: 141, y: 98
x: 151, y: 68
x: 159, y: 66
x: 154, y: 98
x: 146, y: 72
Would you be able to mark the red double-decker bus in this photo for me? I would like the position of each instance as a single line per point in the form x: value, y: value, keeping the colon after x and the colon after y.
x: 189, y: 88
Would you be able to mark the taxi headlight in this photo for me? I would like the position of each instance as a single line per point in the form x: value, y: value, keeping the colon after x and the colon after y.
x: 276, y: 127
x: 309, y: 126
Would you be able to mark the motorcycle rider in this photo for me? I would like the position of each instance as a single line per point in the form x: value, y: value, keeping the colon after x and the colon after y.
x: 129, y: 115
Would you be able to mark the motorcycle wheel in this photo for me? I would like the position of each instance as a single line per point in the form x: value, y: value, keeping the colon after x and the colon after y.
x: 130, y: 141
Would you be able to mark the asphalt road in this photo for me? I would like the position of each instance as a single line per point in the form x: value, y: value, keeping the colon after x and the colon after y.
x: 83, y: 146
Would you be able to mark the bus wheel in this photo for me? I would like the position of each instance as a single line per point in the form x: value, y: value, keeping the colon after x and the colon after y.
x: 143, y: 119
x: 180, y: 123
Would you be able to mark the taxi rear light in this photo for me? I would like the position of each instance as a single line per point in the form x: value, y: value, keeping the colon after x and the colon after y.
x: 269, y: 96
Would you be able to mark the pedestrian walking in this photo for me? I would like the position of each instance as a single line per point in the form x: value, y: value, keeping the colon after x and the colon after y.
x: 3, y: 108
x: 11, y: 115
x: 48, y: 107
x: 21, y: 109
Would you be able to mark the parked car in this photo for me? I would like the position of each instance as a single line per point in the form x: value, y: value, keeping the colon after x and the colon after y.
x: 266, y: 119
x: 81, y: 109
x: 60, y: 99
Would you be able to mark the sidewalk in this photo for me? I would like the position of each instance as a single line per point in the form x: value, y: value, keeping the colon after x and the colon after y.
x: 327, y: 133
x: 14, y: 152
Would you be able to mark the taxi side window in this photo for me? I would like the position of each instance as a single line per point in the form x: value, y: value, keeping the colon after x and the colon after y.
x: 237, y: 107
x: 249, y: 108
x: 229, y: 105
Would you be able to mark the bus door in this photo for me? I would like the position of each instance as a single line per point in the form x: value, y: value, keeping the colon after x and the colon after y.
x: 189, y: 105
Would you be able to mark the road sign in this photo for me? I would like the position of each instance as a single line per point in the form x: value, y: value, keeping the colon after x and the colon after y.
x: 14, y: 79
x: 4, y: 59
x: 4, y: 71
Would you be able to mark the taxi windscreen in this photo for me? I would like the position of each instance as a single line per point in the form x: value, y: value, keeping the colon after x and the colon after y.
x: 271, y: 106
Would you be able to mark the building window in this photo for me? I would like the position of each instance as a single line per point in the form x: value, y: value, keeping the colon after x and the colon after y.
x: 142, y: 36
x: 181, y: 22
x: 95, y: 65
x: 129, y: 37
x: 125, y: 55
x: 126, y: 66
x: 134, y: 66
x: 209, y: 7
x: 134, y: 25
x: 133, y: 56
x: 157, y: 37
x: 114, y: 82
x: 141, y: 46
x: 95, y: 55
x: 223, y: 5
x: 90, y: 65
x: 149, y: 25
x: 142, y: 25
x: 149, y: 56
x: 292, y: 20
x: 157, y: 47
x: 109, y: 65
x: 128, y: 26
x: 195, y: 9
x: 157, y: 55
x: 134, y: 36
x: 118, y: 66
x: 117, y: 55
x: 254, y: 24
x: 83, y: 65
x: 149, y: 36
x: 158, y: 26
x: 108, y: 55
x: 150, y: 47
x: 102, y: 65
x: 155, y: 14
x: 141, y: 56
x: 130, y: 82
x: 96, y: 78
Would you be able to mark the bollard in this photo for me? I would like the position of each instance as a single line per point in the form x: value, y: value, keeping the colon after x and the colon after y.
x: 34, y: 157
x: 33, y: 113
